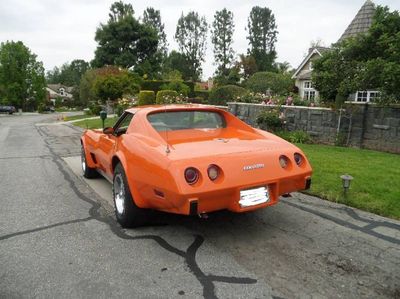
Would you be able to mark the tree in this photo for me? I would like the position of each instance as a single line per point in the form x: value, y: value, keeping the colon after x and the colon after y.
x: 107, y: 83
x: 22, y: 81
x: 248, y: 65
x: 124, y: 41
x: 262, y: 37
x: 271, y: 82
x: 68, y: 74
x: 152, y: 18
x: 222, y: 38
x: 191, y: 34
x: 366, y: 62
x: 176, y: 61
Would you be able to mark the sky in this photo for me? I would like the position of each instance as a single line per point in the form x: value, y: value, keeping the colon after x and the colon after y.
x: 59, y: 31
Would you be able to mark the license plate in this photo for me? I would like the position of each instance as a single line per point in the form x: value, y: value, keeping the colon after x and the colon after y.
x: 253, y: 197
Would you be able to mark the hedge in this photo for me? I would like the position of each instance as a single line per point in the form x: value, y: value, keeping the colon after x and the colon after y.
x: 202, y: 94
x: 146, y: 97
x: 166, y: 97
x: 155, y: 85
x: 228, y: 93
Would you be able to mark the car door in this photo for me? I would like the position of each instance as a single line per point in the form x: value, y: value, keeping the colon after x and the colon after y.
x: 108, y: 143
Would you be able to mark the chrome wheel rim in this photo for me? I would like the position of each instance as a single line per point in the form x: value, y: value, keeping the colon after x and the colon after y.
x: 119, y: 193
x: 83, y: 160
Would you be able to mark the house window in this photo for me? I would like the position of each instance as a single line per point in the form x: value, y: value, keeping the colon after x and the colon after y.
x: 308, y: 85
x: 366, y: 96
x: 309, y: 92
x: 309, y: 95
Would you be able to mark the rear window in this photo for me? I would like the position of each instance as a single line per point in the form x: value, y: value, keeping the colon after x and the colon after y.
x: 183, y: 120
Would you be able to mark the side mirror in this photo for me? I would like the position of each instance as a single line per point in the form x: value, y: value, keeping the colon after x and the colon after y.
x: 108, y: 130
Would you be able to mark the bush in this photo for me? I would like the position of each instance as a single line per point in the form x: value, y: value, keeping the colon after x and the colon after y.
x: 146, y: 97
x: 166, y: 97
x: 156, y: 85
x: 202, y: 94
x: 275, y: 83
x: 95, y: 108
x: 295, y: 136
x: 228, y: 93
x: 41, y: 107
x: 269, y: 120
x: 250, y: 97
x: 178, y: 86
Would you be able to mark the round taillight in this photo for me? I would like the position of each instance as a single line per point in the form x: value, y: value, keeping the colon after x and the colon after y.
x: 283, y: 161
x: 191, y: 175
x: 213, y: 172
x: 298, y: 158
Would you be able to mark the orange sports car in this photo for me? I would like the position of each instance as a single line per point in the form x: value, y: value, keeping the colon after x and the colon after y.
x: 191, y: 160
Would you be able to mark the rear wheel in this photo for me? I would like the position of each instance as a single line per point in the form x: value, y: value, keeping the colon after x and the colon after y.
x: 86, y: 170
x: 128, y: 214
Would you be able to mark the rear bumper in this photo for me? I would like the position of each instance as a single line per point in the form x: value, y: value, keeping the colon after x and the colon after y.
x: 228, y: 199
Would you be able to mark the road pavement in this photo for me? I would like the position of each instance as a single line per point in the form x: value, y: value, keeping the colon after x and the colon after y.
x: 59, y: 237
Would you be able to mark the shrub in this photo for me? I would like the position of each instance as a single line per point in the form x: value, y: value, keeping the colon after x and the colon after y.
x: 178, y: 86
x: 146, y: 97
x: 95, y: 108
x: 269, y: 120
x: 41, y: 107
x: 295, y: 136
x: 202, y: 94
x: 228, y: 93
x: 275, y: 83
x: 166, y: 97
x: 155, y: 85
x: 251, y: 97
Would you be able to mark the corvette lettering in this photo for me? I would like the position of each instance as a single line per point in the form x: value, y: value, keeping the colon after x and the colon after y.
x: 252, y: 167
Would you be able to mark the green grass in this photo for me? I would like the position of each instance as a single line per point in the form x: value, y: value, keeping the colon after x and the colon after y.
x: 376, y: 184
x: 75, y: 117
x: 95, y: 123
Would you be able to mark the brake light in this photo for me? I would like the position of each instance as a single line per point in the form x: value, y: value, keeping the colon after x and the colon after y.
x: 191, y: 175
x: 298, y: 159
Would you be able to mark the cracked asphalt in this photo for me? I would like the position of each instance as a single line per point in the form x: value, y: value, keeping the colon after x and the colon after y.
x: 59, y: 237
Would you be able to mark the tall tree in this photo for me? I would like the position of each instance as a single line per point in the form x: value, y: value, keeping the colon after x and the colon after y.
x: 152, y: 18
x: 22, y: 81
x: 262, y: 37
x: 124, y: 41
x: 366, y: 62
x: 191, y: 34
x: 221, y: 36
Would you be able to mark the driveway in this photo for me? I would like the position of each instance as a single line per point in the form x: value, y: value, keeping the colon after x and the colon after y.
x: 59, y: 237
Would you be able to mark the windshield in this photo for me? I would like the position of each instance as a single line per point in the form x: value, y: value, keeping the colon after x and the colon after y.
x: 183, y: 120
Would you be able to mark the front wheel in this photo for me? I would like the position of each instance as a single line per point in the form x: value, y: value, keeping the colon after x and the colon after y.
x: 128, y: 214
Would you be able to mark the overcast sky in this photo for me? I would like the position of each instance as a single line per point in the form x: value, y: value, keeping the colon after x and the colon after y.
x: 63, y: 30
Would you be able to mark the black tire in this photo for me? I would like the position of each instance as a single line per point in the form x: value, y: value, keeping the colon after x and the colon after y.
x: 128, y: 214
x: 88, y: 172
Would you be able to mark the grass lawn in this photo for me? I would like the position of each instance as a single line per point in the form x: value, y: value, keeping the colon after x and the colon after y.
x: 75, y: 117
x: 376, y: 184
x: 95, y: 123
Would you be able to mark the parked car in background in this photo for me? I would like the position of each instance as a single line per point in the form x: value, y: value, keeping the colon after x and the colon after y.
x: 7, y: 109
x: 191, y: 160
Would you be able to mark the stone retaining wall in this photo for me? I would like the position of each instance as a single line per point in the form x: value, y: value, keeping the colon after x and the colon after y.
x: 358, y: 125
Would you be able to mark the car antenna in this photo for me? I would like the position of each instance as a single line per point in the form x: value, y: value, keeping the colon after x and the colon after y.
x: 167, y: 150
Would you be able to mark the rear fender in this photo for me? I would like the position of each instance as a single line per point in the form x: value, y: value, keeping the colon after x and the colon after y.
x: 119, y: 157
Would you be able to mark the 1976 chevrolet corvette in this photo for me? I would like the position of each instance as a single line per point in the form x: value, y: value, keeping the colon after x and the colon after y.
x: 191, y: 159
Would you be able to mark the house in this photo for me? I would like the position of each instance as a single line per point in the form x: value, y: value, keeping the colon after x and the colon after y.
x: 303, y: 75
x: 59, y: 91
x: 360, y: 24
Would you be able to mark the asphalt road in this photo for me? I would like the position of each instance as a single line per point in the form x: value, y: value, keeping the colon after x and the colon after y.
x: 59, y: 237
